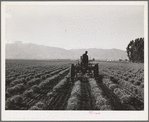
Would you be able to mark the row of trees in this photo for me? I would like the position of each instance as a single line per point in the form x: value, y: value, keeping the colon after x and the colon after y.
x: 135, y: 50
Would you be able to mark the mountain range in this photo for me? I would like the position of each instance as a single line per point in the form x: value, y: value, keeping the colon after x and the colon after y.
x: 19, y: 50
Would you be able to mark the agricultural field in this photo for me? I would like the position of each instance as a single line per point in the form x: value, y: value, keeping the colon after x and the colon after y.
x: 47, y: 85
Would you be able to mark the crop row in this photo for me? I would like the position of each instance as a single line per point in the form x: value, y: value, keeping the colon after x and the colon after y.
x: 39, y: 74
x: 100, y: 102
x: 35, y: 89
x: 126, y: 98
x: 127, y: 77
x: 74, y: 100
x: 33, y: 80
x: 53, y: 96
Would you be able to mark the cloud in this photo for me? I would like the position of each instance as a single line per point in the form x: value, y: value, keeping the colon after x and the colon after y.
x: 7, y: 15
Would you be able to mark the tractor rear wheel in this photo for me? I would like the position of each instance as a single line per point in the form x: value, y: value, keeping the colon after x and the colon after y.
x: 96, y: 70
x: 72, y: 70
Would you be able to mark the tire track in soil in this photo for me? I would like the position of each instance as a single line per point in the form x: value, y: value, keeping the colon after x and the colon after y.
x: 86, y: 100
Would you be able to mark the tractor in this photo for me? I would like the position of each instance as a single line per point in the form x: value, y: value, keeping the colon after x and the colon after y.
x: 80, y: 69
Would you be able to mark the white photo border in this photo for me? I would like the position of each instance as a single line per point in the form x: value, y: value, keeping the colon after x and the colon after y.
x: 16, y: 115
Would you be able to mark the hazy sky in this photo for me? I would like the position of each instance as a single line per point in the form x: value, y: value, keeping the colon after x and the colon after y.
x: 79, y: 26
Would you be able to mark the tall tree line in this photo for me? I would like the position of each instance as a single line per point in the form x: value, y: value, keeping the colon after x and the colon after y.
x: 135, y: 50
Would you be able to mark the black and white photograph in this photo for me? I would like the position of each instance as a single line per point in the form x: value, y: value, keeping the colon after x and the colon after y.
x: 74, y: 60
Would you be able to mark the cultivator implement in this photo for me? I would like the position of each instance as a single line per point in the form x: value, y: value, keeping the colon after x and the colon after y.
x: 79, y: 71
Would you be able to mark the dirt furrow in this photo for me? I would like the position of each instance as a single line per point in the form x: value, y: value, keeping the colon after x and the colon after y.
x: 85, y: 97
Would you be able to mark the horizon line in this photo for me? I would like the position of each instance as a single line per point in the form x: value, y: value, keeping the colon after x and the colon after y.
x: 64, y: 48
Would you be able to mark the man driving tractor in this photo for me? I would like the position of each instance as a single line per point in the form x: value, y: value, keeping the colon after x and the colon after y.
x: 84, y: 67
x: 85, y: 59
